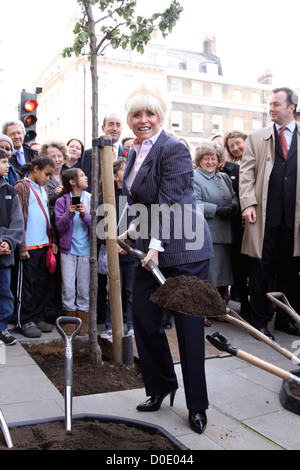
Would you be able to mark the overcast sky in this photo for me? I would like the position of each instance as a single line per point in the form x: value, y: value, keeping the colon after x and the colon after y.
x: 250, y: 39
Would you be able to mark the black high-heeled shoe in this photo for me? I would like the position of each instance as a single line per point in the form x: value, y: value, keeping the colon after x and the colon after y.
x: 155, y: 401
x: 198, y: 421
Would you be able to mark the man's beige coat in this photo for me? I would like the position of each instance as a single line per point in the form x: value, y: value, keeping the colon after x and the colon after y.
x: 255, y: 170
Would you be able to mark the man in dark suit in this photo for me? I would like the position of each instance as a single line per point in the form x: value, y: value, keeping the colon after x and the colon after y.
x: 112, y: 125
x: 270, y: 199
x: 22, y: 152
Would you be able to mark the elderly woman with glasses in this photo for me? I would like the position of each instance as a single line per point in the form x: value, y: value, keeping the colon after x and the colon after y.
x: 215, y: 192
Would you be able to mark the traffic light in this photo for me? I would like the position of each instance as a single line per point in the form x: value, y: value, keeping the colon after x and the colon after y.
x: 28, y: 109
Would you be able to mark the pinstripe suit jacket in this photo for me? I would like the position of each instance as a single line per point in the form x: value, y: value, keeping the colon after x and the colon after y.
x: 165, y: 180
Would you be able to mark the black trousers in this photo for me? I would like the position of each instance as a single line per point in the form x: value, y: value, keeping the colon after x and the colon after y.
x: 32, y: 287
x: 277, y: 264
x: 152, y: 344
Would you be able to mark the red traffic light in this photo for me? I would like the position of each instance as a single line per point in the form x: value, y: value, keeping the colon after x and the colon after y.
x: 30, y: 105
x: 28, y: 114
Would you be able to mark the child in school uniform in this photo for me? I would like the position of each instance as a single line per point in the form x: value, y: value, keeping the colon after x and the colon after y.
x: 11, y: 234
x: 32, y: 271
x: 72, y: 222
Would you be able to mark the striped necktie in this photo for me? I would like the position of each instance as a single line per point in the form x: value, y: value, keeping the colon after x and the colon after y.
x: 114, y: 154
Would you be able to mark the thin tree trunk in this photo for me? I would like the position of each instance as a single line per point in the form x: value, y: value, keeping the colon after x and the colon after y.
x: 95, y: 350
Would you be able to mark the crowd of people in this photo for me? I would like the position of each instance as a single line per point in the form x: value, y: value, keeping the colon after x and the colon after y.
x: 246, y: 185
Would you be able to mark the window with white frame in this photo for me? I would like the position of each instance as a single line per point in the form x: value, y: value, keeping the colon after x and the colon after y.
x: 176, y: 120
x: 197, y: 122
x: 152, y: 58
x: 217, y: 124
x: 212, y: 69
x: 238, y: 96
x: 256, y: 99
x: 172, y: 63
x: 192, y: 66
x: 217, y: 92
x: 238, y: 123
x: 176, y: 86
x: 197, y: 89
x: 127, y: 53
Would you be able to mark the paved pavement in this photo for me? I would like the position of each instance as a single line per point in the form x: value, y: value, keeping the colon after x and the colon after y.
x: 245, y: 412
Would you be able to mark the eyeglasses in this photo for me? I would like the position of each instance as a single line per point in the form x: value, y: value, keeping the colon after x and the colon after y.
x: 210, y: 159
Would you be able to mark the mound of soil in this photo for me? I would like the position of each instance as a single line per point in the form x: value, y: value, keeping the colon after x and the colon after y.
x: 89, y: 434
x: 89, y: 378
x: 190, y: 295
x: 92, y: 435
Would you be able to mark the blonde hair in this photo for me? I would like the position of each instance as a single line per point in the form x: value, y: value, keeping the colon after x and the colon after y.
x: 146, y: 98
x: 208, y: 148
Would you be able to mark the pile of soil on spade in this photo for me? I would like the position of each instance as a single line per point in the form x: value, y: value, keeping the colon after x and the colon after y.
x: 85, y: 435
x: 89, y: 378
x: 188, y: 294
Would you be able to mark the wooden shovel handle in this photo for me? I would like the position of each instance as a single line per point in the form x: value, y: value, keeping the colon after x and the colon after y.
x: 283, y: 374
x: 253, y: 331
x: 284, y: 304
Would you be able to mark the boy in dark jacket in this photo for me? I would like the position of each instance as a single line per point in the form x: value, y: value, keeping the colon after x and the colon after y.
x: 11, y: 234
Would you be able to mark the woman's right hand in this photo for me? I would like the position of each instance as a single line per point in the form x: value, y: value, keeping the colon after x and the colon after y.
x: 151, y: 255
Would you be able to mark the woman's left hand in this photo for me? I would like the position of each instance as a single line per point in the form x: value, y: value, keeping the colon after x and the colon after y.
x: 151, y: 255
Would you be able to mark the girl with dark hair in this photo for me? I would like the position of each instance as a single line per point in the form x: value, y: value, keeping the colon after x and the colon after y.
x: 32, y: 273
x: 72, y: 222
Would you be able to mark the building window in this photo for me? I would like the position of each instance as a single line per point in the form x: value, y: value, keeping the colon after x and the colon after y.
x: 238, y: 96
x: 176, y: 87
x: 217, y: 92
x: 217, y: 124
x: 256, y: 124
x: 127, y: 55
x: 197, y: 89
x: 212, y: 69
x: 172, y: 64
x: 197, y: 122
x: 152, y: 59
x: 176, y: 120
x: 192, y: 66
x: 238, y: 123
x: 256, y: 98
